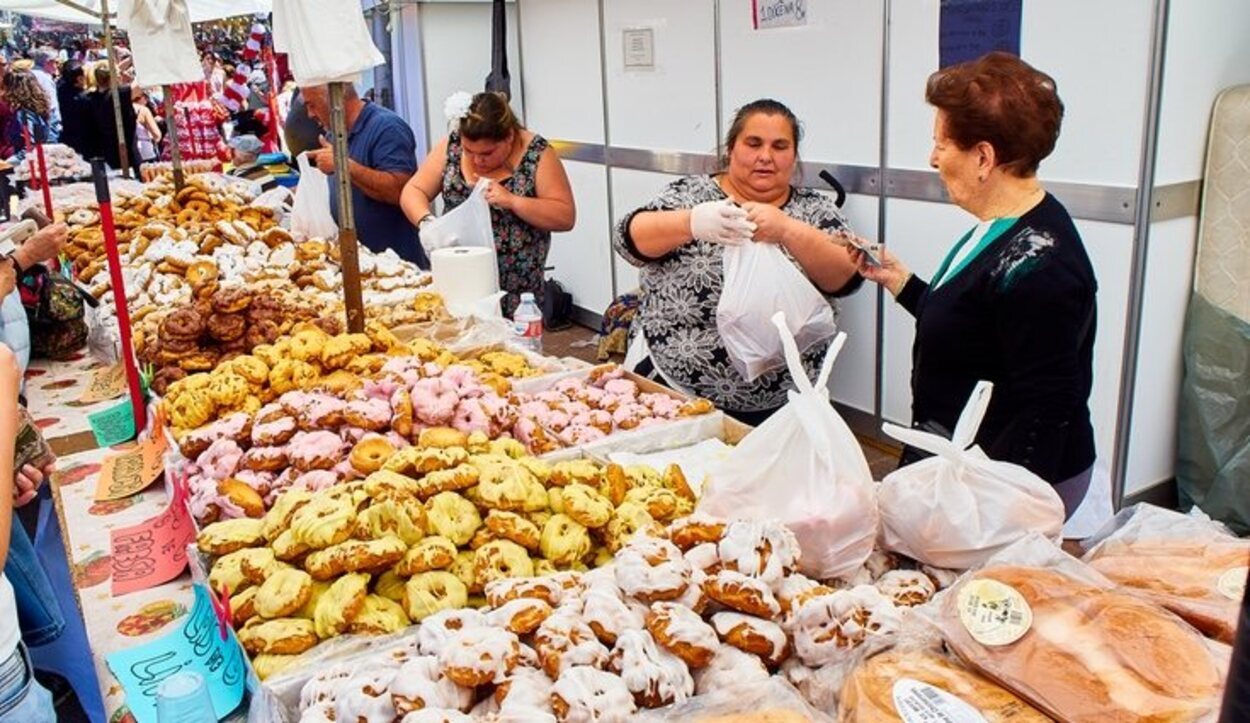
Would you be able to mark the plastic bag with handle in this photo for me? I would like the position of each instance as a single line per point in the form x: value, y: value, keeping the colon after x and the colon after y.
x: 805, y: 468
x: 959, y: 507
x: 760, y: 280
x: 465, y: 225
x: 310, y: 214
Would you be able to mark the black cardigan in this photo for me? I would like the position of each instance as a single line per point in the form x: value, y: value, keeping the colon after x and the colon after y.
x: 1021, y: 315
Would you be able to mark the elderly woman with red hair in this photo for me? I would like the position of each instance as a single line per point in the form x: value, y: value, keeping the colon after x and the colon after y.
x: 1014, y: 300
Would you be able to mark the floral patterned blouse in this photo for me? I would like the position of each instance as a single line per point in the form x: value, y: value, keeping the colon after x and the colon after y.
x: 521, y: 248
x: 680, y: 292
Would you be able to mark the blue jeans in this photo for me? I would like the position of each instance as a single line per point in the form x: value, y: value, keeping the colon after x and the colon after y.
x: 22, y: 699
x: 39, y: 614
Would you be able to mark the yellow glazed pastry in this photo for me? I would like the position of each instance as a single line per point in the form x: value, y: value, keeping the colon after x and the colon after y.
x: 278, y: 518
x: 355, y: 556
x: 283, y: 593
x: 221, y: 538
x: 564, y: 541
x: 430, y: 592
x: 340, y: 604
x: 379, y: 616
x: 432, y: 553
x: 586, y: 506
x: 453, y: 517
x: 511, y: 526
x: 284, y: 636
x: 402, y: 518
x: 500, y: 559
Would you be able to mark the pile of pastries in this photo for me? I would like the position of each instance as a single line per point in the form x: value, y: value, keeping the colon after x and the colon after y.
x: 164, y: 170
x: 579, y: 410
x: 702, y: 606
x: 429, y: 528
x: 221, y: 324
x: 62, y: 162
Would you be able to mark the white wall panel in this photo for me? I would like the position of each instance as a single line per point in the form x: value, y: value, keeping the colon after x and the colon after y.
x: 563, y: 84
x: 630, y: 190
x: 455, y: 39
x: 1169, y: 267
x: 922, y: 233
x: 582, y: 256
x: 672, y: 107
x: 1206, y: 52
x: 1098, y: 53
x: 828, y: 72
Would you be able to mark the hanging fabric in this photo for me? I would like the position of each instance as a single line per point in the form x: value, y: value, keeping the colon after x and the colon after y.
x: 499, y: 80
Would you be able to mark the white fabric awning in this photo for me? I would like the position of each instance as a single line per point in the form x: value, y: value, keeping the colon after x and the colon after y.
x: 201, y: 10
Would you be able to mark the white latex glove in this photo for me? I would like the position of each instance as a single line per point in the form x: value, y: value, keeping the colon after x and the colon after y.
x: 720, y: 222
x: 432, y: 238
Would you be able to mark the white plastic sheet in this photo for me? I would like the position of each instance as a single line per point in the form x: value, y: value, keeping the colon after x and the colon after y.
x: 326, y: 41
x: 161, y: 40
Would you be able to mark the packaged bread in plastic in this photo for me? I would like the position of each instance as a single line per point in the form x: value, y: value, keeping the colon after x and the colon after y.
x: 955, y: 509
x: 1063, y: 637
x: 1185, y: 562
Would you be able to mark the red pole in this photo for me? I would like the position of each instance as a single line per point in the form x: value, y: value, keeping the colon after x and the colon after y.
x: 34, y: 177
x: 46, y: 186
x: 119, y: 294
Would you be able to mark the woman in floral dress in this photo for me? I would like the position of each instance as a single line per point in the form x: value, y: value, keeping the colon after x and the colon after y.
x: 677, y: 241
x: 529, y: 195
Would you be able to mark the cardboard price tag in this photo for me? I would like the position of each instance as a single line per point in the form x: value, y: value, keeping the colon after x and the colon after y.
x: 107, y: 383
x: 126, y: 473
x: 153, y: 551
x: 113, y: 425
x: 197, y: 646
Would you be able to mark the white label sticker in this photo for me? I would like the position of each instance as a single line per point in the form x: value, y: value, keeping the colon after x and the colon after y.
x: 917, y: 702
x: 994, y: 613
x: 1232, y: 584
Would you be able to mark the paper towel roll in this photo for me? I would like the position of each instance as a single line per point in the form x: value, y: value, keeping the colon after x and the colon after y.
x: 464, y: 274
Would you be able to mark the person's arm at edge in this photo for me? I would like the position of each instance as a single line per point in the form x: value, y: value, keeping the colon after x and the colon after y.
x: 553, y: 208
x: 424, y: 185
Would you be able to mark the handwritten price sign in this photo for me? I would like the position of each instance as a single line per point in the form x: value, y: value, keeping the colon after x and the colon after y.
x: 153, y: 551
x: 106, y: 383
x: 126, y: 473
x: 197, y: 646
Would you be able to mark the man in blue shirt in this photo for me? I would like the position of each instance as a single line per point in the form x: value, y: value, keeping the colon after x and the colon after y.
x: 383, y: 156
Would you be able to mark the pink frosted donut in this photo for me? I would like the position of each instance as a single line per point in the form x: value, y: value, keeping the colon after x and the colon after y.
x: 400, y: 365
x: 433, y: 402
x: 221, y: 459
x: 575, y: 434
x: 623, y: 387
x: 371, y: 414
x: 275, y: 432
x: 470, y: 417
x: 379, y: 388
x: 314, y: 450
x: 316, y: 480
x: 270, y: 412
x: 570, y: 387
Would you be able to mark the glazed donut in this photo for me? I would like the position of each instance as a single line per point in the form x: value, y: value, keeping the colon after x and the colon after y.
x: 221, y: 538
x: 226, y: 327
x: 201, y: 272
x: 275, y: 236
x: 564, y: 541
x: 564, y: 640
x: 273, y: 433
x: 759, y: 548
x: 753, y: 635
x: 584, y: 471
x: 278, y: 518
x: 265, y: 459
x: 730, y: 668
x: 793, y: 587
x: 242, y: 496
x: 607, y: 615
x: 429, y: 592
x: 323, y: 522
x: 502, y: 591
x: 463, y: 568
x: 586, y: 694
x: 432, y: 553
x: 182, y: 323
x: 742, y: 593
x: 683, y: 633
x: 305, y: 344
x: 378, y: 616
x: 438, y: 628
x: 651, y: 569
x: 586, y: 506
x: 283, y: 636
x: 653, y: 675
x: 500, y: 559
x: 454, y: 517
x: 314, y: 450
x: 511, y: 526
x: 525, y: 692
x: 402, y: 517
x: 906, y: 588
x: 477, y: 656
x: 371, y: 556
x: 694, y: 530
x: 448, y: 480
x: 186, y: 217
x: 420, y: 685
x: 370, y: 453
x: 200, y: 362
x: 662, y: 504
x: 283, y: 593
x: 228, y: 390
x: 827, y: 628
x: 630, y: 520
x: 521, y: 616
x: 340, y: 604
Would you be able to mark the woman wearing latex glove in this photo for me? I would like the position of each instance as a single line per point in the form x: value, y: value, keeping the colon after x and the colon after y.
x: 677, y: 241
x: 1014, y: 301
x: 529, y: 193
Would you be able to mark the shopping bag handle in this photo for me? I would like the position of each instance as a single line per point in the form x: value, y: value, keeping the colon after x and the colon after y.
x: 965, y: 430
x: 795, y: 361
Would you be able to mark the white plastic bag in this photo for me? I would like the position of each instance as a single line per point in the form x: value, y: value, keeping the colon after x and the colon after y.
x: 310, y: 214
x: 760, y: 281
x: 804, y: 467
x: 325, y: 40
x: 956, y: 509
x: 465, y: 225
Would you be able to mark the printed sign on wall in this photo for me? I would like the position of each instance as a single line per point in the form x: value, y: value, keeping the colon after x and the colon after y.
x: 968, y: 29
x: 778, y: 13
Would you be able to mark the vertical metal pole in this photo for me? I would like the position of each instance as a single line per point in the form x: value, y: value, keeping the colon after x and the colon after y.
x: 716, y: 74
x: 122, y: 153
x: 348, y: 259
x: 1141, y: 246
x: 607, y: 141
x: 171, y: 128
x: 883, y: 167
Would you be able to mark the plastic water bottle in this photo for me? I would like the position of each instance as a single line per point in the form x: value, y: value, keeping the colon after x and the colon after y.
x: 527, y: 323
